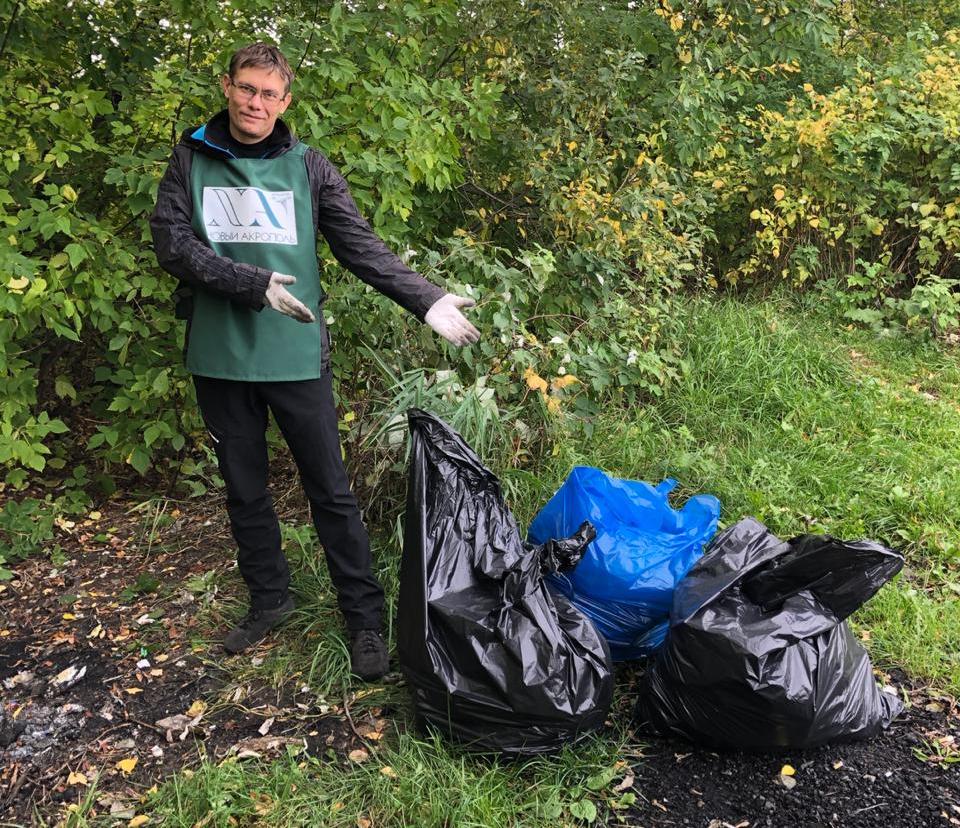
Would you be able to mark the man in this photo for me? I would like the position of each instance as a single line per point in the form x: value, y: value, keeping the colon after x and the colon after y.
x: 236, y: 220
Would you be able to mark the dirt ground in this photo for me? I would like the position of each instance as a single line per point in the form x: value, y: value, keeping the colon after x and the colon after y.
x: 107, y: 675
x: 905, y: 777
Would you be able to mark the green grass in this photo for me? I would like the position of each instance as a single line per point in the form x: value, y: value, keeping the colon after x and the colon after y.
x: 787, y: 416
x: 784, y: 414
x: 409, y: 782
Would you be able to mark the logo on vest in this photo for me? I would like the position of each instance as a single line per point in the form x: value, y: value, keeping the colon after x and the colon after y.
x: 249, y: 214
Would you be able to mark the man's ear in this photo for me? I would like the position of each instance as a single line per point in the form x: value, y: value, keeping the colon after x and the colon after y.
x: 225, y: 84
x: 285, y: 103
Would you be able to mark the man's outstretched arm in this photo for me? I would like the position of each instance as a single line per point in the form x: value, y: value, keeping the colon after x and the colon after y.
x: 355, y: 245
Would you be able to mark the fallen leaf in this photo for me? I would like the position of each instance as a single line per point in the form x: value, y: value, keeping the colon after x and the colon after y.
x: 137, y: 821
x: 788, y: 770
x: 126, y: 766
x: 788, y: 782
x: 264, y: 729
x: 256, y: 746
x: 389, y: 772
x: 176, y: 722
x: 77, y: 778
x: 197, y: 708
x: 363, y: 822
x: 934, y: 707
x: 96, y: 631
x: 624, y: 785
x: 156, y: 672
x: 68, y: 677
x: 359, y: 756
x: 122, y: 810
x: 838, y: 764
x: 132, y: 691
x: 23, y: 677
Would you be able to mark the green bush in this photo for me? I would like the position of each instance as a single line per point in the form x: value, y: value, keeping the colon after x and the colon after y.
x: 573, y: 166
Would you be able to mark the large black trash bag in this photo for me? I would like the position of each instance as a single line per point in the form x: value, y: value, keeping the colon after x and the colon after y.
x: 758, y: 655
x: 495, y: 661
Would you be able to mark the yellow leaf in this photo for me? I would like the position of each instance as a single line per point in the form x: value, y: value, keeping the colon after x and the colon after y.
x: 685, y: 56
x: 950, y: 210
x: 132, y: 691
x: 564, y: 381
x: 718, y: 183
x: 69, y: 616
x: 553, y: 405
x: 196, y: 708
x: 779, y: 192
x: 755, y: 214
x: 137, y: 821
x: 808, y: 87
x: 534, y: 381
x: 814, y: 222
x: 927, y: 209
x: 126, y: 766
x: 17, y: 285
x: 95, y: 631
x: 77, y: 778
x: 359, y: 756
x: 95, y: 515
x: 572, y: 146
x: 68, y: 192
x: 349, y: 417
x: 787, y: 770
x: 389, y: 772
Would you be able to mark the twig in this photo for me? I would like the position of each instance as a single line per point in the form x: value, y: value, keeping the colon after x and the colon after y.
x: 6, y: 34
x: 353, y: 727
x: 313, y: 29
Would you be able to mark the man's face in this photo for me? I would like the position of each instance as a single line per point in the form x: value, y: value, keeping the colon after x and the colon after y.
x: 255, y: 99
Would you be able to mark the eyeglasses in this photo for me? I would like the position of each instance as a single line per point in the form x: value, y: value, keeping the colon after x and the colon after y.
x: 246, y: 92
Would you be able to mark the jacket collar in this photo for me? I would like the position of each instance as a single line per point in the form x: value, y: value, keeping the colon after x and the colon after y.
x: 213, y: 138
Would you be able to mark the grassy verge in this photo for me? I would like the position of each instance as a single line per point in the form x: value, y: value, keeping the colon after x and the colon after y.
x: 785, y: 415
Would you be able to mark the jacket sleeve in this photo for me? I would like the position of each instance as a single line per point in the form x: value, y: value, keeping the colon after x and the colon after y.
x: 181, y: 252
x: 357, y: 247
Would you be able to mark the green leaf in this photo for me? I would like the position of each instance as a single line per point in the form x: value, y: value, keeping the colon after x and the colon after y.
x: 64, y: 388
x: 139, y: 459
x: 583, y: 809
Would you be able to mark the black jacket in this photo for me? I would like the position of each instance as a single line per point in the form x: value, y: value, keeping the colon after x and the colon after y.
x: 335, y: 214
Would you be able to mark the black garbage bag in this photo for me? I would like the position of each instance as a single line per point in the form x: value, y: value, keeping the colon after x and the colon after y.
x: 495, y: 661
x: 758, y: 655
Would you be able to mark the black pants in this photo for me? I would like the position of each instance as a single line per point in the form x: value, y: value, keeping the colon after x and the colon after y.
x: 235, y: 413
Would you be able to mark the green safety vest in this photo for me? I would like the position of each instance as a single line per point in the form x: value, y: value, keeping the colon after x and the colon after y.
x: 257, y: 211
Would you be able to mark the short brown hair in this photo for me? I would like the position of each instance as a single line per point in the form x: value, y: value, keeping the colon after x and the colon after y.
x: 263, y: 56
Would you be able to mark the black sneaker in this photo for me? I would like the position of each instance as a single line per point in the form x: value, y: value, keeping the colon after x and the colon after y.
x: 255, y: 625
x: 368, y: 654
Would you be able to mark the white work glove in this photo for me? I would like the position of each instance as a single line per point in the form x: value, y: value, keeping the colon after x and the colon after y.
x: 445, y: 318
x: 282, y: 300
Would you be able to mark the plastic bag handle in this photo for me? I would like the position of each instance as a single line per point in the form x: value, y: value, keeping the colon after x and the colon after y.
x: 842, y: 576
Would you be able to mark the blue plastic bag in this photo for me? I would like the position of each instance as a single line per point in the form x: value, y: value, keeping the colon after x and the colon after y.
x: 643, y: 548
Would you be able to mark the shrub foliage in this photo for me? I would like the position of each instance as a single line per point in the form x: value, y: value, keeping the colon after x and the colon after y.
x: 571, y: 164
